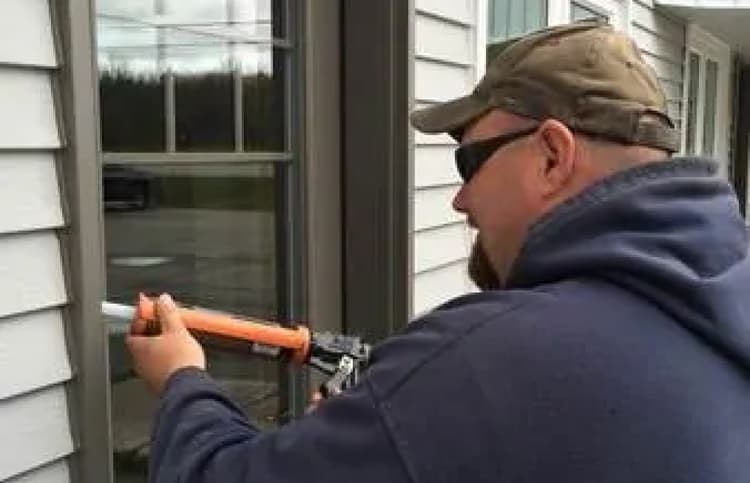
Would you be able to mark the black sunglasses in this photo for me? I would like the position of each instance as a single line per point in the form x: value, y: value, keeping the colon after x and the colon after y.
x: 470, y: 157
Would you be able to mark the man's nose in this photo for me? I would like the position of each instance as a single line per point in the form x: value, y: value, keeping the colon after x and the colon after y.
x: 458, y: 200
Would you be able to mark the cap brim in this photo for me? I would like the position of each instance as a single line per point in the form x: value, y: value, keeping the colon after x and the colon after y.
x: 449, y: 117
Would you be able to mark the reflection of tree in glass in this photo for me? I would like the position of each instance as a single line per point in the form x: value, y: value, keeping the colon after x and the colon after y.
x: 204, y: 112
x: 263, y: 111
x: 132, y: 111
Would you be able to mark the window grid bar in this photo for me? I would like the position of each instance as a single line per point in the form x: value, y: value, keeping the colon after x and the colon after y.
x: 196, y: 158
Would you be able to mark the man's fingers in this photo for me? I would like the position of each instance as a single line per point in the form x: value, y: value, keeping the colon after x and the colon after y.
x: 138, y: 327
x: 169, y: 317
x: 168, y: 314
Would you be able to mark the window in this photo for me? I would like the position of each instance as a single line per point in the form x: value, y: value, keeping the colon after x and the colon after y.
x: 709, y: 115
x: 196, y: 111
x: 706, y: 106
x: 701, y: 102
x: 692, y: 101
x: 512, y: 18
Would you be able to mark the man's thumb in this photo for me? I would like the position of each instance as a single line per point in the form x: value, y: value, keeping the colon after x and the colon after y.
x: 169, y: 316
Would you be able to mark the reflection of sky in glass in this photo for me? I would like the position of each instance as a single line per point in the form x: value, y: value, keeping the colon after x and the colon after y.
x: 144, y: 37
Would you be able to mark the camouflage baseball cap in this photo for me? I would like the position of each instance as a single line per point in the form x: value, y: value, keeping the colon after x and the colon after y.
x: 586, y: 75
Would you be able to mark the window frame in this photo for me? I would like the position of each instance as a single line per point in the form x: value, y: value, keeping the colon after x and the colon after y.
x: 707, y: 47
x: 82, y: 241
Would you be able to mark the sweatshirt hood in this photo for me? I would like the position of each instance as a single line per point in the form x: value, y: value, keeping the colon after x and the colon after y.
x: 670, y: 232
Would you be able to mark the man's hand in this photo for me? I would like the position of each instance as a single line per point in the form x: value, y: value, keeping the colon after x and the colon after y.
x: 157, y: 357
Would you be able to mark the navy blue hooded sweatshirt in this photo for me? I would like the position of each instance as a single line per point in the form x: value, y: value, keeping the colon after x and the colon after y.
x: 618, y: 353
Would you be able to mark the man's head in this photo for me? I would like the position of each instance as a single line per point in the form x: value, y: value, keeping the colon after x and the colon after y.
x: 557, y: 111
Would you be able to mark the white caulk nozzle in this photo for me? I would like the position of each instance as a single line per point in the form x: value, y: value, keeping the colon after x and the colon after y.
x: 118, y: 311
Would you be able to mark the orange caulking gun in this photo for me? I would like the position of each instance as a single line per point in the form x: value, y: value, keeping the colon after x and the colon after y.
x: 340, y: 356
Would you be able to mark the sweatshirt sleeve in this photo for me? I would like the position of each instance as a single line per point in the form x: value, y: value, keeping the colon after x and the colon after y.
x: 200, y: 435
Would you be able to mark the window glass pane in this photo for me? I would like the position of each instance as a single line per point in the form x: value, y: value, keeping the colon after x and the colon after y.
x: 692, y: 102
x: 535, y: 15
x: 210, y: 235
x: 516, y: 20
x: 192, y: 75
x: 497, y: 28
x: 131, y: 83
x: 582, y: 12
x: 203, y: 92
x: 264, y: 105
x: 709, y: 110
x: 257, y: 20
x: 512, y: 18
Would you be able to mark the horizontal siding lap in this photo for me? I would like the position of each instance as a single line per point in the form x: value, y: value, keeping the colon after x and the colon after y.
x: 435, y: 166
x: 439, y: 246
x: 35, y: 431
x: 30, y: 198
x: 33, y: 123
x: 44, y: 362
x: 657, y: 23
x: 653, y: 44
x: 460, y: 11
x: 26, y: 33
x: 422, y: 139
x: 664, y: 69
x: 56, y: 472
x: 438, y: 39
x: 437, y: 286
x: 432, y: 207
x: 434, y: 81
x: 31, y: 273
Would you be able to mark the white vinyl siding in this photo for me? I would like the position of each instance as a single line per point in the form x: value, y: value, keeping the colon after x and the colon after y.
x: 27, y: 94
x: 435, y: 81
x: 435, y: 166
x: 661, y: 40
x: 44, y: 362
x: 30, y: 198
x: 440, y: 284
x: 445, y: 67
x: 35, y: 430
x: 51, y: 473
x: 26, y: 31
x: 36, y: 435
x: 31, y: 273
x: 450, y: 11
x: 432, y: 207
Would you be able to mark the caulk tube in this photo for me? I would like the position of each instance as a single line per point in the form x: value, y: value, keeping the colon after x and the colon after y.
x: 121, y: 316
x: 217, y: 328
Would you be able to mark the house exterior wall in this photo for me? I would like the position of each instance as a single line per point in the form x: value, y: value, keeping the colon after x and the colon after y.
x: 661, y: 40
x: 446, y: 65
x: 34, y: 362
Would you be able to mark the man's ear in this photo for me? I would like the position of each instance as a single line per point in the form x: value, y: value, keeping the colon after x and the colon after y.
x: 558, y: 156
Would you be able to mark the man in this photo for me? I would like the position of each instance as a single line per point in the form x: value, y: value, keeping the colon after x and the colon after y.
x: 611, y: 341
